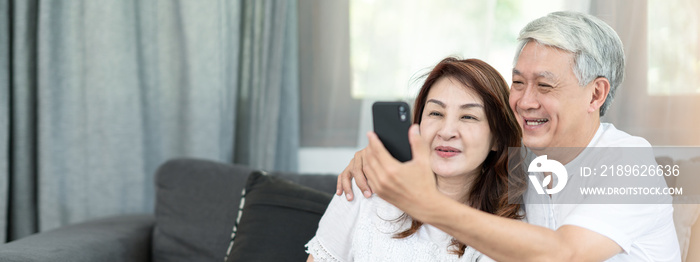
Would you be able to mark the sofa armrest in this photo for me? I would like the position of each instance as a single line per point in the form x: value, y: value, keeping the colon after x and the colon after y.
x: 119, y: 238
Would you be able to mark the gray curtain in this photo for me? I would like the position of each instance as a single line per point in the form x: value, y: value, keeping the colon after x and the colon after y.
x: 268, y: 87
x: 330, y: 117
x: 95, y: 95
x: 4, y: 117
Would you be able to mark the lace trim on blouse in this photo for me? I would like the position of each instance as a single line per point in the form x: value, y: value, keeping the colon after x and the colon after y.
x: 320, y: 253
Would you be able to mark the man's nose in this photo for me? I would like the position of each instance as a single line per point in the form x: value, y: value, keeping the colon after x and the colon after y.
x: 528, y: 99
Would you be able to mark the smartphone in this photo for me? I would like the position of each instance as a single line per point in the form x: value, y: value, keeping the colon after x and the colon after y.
x: 391, y: 123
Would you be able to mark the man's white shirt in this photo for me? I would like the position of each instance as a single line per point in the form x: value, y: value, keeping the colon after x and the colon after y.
x: 644, y: 231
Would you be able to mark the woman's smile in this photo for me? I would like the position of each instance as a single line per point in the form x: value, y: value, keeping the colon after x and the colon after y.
x: 447, y: 151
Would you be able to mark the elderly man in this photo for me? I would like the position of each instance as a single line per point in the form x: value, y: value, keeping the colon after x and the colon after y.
x: 567, y: 68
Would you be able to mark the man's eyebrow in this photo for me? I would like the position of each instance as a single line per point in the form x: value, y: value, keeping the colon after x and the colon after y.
x: 546, y: 74
x: 464, y: 106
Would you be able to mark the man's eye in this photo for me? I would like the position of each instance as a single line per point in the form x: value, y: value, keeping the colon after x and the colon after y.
x: 517, y: 85
x: 544, y: 85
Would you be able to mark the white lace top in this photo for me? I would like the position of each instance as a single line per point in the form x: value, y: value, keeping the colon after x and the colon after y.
x: 363, y: 230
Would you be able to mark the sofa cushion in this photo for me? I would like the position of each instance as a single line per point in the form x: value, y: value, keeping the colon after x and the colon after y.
x: 321, y: 182
x: 196, y: 205
x: 277, y: 219
x: 116, y: 238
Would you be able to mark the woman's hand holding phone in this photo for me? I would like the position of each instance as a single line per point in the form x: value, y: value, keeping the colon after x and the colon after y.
x: 391, y: 122
x: 406, y: 185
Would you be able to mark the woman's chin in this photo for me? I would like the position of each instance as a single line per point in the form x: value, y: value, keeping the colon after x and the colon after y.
x: 445, y: 172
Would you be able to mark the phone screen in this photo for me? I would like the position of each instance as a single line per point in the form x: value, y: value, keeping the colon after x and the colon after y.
x: 391, y: 123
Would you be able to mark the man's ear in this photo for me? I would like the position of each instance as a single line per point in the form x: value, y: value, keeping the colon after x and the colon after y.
x: 601, y: 88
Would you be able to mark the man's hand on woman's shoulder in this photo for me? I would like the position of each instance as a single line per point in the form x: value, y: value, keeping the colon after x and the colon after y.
x: 353, y: 170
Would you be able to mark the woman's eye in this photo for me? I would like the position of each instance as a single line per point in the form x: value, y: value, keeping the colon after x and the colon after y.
x: 468, y: 117
x: 544, y: 85
x: 434, y: 114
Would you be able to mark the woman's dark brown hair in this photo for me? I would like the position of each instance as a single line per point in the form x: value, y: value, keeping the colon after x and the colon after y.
x: 490, y: 190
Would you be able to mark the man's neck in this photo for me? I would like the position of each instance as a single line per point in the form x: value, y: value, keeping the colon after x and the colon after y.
x: 590, y: 132
x: 567, y: 153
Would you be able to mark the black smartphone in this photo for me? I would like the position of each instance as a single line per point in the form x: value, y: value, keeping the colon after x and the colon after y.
x: 391, y: 123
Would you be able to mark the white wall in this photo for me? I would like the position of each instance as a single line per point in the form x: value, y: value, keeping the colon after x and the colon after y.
x: 330, y: 160
x: 335, y: 159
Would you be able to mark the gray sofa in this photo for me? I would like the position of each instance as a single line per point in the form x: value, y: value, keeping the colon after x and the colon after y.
x: 198, y: 203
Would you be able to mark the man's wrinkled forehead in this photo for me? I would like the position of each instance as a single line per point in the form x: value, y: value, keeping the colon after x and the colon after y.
x: 543, y: 56
x: 542, y: 74
x: 547, y: 47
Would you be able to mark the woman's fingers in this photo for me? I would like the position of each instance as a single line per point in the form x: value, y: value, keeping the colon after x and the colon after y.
x: 378, y: 150
x: 380, y: 166
x: 420, y: 149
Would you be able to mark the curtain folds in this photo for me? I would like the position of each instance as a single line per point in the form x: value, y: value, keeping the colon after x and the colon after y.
x: 268, y: 112
x: 95, y: 95
x: 4, y: 117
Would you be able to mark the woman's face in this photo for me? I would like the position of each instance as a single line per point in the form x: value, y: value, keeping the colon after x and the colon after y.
x: 455, y: 125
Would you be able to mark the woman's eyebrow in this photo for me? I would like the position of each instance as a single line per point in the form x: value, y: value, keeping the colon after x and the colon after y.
x: 470, y: 105
x: 464, y: 106
x: 438, y: 102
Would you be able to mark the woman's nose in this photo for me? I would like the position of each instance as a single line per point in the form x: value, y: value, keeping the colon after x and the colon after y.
x: 448, y: 130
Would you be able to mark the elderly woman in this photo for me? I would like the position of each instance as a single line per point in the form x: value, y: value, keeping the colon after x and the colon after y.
x: 464, y: 120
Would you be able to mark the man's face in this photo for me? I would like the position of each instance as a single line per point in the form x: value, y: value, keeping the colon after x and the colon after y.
x: 547, y: 100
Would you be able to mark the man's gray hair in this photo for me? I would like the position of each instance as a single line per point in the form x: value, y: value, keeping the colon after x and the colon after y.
x: 596, y: 47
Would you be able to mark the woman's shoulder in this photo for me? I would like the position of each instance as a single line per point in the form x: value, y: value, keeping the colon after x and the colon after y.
x: 342, y: 209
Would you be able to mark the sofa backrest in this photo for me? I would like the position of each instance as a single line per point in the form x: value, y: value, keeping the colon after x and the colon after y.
x: 197, y: 202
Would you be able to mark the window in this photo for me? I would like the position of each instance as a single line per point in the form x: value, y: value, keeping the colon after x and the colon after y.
x: 674, y: 47
x: 394, y: 42
x: 329, y: 115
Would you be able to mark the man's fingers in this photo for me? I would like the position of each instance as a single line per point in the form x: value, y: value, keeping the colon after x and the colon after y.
x: 339, y: 182
x: 364, y: 186
x: 359, y: 174
x: 369, y: 167
x: 347, y: 187
x: 345, y: 180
